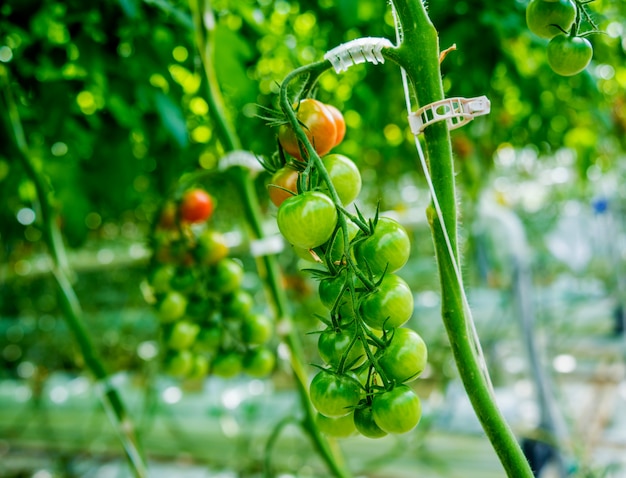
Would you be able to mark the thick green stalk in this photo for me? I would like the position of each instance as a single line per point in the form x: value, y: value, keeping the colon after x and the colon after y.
x: 270, y: 270
x: 204, y: 24
x: 72, y: 312
x: 419, y: 56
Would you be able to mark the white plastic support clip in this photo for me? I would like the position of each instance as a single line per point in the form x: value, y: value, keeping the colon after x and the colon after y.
x: 456, y: 111
x: 358, y: 51
x: 242, y: 158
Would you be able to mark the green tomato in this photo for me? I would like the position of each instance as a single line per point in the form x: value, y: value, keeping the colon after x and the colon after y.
x: 335, y: 249
x: 259, y: 362
x: 210, y: 338
x: 344, y: 175
x: 405, y: 357
x: 172, y: 307
x: 365, y: 424
x: 200, y: 367
x: 228, y: 276
x: 568, y: 55
x: 182, y: 335
x: 161, y: 278
x: 334, y: 395
x: 307, y: 220
x: 329, y: 288
x: 306, y: 254
x: 398, y: 410
x: 341, y: 427
x: 179, y: 364
x: 387, y: 248
x: 237, y: 304
x: 548, y: 18
x: 333, y: 346
x: 390, y: 305
x: 257, y: 329
x: 227, y: 364
x: 211, y: 247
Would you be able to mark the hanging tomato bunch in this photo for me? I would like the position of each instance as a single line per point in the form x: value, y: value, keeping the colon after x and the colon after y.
x: 568, y: 51
x: 208, y: 321
x: 369, y: 355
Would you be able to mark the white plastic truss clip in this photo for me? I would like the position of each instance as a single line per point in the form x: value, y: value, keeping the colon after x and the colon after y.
x: 456, y: 111
x: 242, y: 158
x: 357, y: 51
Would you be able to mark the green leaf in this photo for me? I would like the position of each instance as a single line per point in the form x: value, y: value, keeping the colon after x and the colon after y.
x: 172, y: 117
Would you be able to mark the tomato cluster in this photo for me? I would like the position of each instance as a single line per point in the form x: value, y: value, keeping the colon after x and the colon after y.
x: 207, y: 319
x: 369, y: 357
x: 568, y: 54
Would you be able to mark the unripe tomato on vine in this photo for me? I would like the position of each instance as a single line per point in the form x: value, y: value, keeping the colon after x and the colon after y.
x: 548, y: 18
x: 308, y: 219
x: 367, y: 356
x: 387, y: 249
x: 398, y: 410
x: 569, y: 55
x: 344, y: 175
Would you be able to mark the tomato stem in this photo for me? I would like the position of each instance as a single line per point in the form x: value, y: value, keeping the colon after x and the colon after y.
x: 418, y: 54
x: 70, y: 304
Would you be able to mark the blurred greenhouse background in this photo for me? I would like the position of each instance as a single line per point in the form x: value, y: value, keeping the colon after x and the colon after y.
x: 113, y: 102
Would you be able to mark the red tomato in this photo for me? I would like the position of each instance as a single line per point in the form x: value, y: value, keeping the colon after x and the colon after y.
x: 196, y: 206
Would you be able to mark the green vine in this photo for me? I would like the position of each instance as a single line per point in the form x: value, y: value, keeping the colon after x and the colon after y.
x: 418, y: 55
x: 70, y: 304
